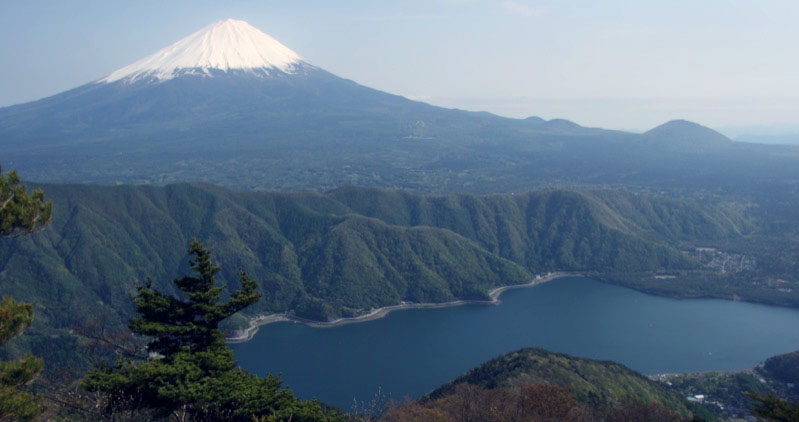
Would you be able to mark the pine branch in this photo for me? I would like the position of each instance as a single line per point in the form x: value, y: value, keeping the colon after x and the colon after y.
x: 7, y: 201
x: 120, y: 341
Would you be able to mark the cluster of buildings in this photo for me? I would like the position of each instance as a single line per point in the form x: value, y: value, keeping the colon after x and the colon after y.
x: 724, y: 262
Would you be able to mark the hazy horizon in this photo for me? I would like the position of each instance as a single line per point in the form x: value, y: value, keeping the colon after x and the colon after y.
x: 620, y: 66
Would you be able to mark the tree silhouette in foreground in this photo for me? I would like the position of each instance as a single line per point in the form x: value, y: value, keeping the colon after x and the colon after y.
x: 190, y: 373
x: 523, y: 403
x: 21, y: 213
x: 15, y: 403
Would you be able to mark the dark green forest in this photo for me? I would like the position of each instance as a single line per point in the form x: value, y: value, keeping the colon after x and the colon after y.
x: 353, y: 248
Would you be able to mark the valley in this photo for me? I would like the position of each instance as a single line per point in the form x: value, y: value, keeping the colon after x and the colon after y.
x: 352, y: 248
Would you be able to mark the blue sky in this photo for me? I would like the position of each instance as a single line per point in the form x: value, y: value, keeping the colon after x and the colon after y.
x: 611, y: 63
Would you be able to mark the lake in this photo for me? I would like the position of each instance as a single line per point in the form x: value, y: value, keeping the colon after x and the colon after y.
x: 410, y: 352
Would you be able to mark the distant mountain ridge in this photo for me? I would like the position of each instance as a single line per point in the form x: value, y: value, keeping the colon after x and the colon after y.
x: 686, y: 135
x: 230, y: 105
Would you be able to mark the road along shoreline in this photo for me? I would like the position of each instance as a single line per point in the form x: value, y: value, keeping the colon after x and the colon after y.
x: 255, y: 323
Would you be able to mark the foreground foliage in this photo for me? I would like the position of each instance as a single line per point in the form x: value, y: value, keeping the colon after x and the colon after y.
x: 596, y: 384
x: 524, y: 403
x: 15, y: 403
x: 190, y: 373
x: 20, y: 212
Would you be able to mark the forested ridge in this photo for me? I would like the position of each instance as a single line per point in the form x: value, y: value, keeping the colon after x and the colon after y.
x: 353, y: 248
x: 535, y: 384
x: 340, y: 253
x: 597, y: 383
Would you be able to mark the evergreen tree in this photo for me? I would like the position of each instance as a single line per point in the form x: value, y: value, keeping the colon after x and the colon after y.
x: 190, y: 373
x: 16, y: 404
x: 19, y: 212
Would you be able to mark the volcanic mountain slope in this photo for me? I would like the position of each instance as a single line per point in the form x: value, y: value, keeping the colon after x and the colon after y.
x: 222, y: 77
x: 231, y: 105
x: 227, y: 46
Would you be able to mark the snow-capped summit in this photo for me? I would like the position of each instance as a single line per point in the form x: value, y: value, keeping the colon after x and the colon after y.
x: 224, y: 45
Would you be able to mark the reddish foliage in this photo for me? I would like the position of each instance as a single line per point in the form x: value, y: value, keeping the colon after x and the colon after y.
x: 635, y: 411
x: 470, y: 403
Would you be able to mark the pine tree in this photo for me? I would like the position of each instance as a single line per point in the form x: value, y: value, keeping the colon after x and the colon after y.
x: 17, y: 404
x: 190, y: 373
x: 21, y: 213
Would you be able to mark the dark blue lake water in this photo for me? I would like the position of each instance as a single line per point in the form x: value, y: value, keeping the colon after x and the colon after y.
x: 410, y: 352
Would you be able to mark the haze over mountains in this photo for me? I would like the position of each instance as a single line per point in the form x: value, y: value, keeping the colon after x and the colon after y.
x: 764, y: 134
x: 404, y: 203
x: 230, y: 105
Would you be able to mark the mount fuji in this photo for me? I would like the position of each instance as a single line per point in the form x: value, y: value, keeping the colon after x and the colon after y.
x: 227, y: 104
x: 231, y: 105
x: 226, y: 46
x: 225, y: 76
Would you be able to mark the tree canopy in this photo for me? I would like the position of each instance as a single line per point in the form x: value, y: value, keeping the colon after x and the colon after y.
x: 20, y: 212
x: 15, y: 403
x: 190, y: 373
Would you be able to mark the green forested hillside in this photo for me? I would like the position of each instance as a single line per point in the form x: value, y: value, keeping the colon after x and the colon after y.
x: 598, y: 384
x: 560, y: 228
x: 783, y: 368
x: 335, y: 254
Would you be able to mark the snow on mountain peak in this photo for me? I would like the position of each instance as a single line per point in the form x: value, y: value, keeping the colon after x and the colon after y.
x: 224, y: 45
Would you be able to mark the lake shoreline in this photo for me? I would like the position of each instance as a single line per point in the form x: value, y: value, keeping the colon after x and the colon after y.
x: 494, y: 294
